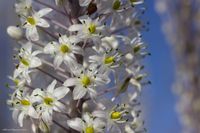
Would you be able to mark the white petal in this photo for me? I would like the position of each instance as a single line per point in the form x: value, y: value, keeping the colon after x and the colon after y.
x: 71, y: 82
x: 32, y: 34
x: 76, y: 124
x: 15, y: 114
x: 60, y: 92
x: 100, y: 114
x: 32, y: 112
x: 77, y: 50
x: 75, y: 27
x: 51, y: 87
x: 137, y: 84
x: 50, y: 48
x: 59, y: 107
x: 47, y: 116
x: 79, y: 92
x: 43, y: 12
x: 20, y: 118
x: 84, y: 2
x: 35, y: 62
x: 43, y: 23
x: 58, y: 61
x: 87, y: 118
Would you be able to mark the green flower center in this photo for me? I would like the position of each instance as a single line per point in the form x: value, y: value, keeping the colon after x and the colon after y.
x: 24, y: 62
x: 16, y: 81
x: 89, y: 129
x: 92, y: 28
x: 25, y: 102
x: 48, y: 101
x: 115, y: 115
x: 31, y: 20
x: 116, y: 4
x: 109, y: 60
x: 64, y: 48
x: 85, y: 80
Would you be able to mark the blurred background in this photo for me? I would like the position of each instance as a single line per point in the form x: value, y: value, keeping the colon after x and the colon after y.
x: 172, y: 54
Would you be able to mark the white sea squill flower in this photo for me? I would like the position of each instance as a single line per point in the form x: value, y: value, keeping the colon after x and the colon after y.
x: 35, y: 20
x: 88, y: 29
x: 22, y: 105
x: 64, y: 50
x: 49, y: 99
x: 114, y: 115
x: 110, y: 6
x: 23, y: 7
x: 86, y: 81
x: 27, y: 61
x: 19, y: 82
x: 88, y: 124
x: 108, y: 56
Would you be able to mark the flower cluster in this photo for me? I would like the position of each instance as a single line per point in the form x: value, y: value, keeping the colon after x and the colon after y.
x: 79, y: 65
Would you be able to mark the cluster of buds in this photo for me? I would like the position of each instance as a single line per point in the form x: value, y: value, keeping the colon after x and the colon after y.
x: 78, y: 67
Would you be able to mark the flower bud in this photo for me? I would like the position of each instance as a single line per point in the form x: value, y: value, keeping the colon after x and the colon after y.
x: 14, y: 32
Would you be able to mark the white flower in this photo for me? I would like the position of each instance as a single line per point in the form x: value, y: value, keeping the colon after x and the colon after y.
x: 88, y: 124
x: 35, y: 20
x: 19, y: 82
x: 64, y: 50
x: 114, y: 115
x: 86, y: 81
x: 23, y: 7
x: 27, y: 60
x: 22, y: 105
x: 108, y: 56
x: 88, y: 29
x: 15, y: 32
x: 49, y: 99
x: 110, y: 6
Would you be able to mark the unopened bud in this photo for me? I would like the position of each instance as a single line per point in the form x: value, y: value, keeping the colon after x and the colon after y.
x: 14, y: 32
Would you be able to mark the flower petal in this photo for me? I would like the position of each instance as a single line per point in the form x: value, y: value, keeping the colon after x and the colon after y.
x: 76, y: 124
x: 58, y: 61
x: 35, y: 62
x: 20, y: 118
x: 42, y: 23
x: 60, y: 92
x: 70, y: 82
x: 75, y: 27
x: 43, y: 12
x: 51, y: 87
x: 32, y: 34
x: 79, y: 92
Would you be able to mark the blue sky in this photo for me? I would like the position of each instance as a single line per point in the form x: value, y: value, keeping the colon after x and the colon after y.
x: 158, y: 99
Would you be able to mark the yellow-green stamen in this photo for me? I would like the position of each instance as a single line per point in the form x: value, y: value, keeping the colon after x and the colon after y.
x: 24, y: 61
x: 89, y: 129
x: 116, y: 115
x: 85, y: 80
x: 109, y: 60
x: 25, y: 102
x: 31, y: 20
x: 48, y: 101
x: 16, y: 81
x: 92, y: 28
x: 64, y: 48
x: 116, y: 4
